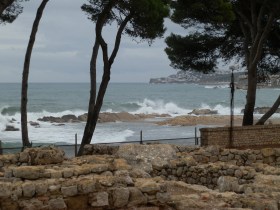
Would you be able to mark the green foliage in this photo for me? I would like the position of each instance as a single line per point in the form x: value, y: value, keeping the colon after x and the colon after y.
x: 222, y: 35
x: 11, y: 12
x: 146, y: 20
x: 192, y: 52
x: 215, y: 12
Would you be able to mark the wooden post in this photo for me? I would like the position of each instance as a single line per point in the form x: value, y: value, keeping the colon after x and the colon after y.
x: 141, y: 137
x: 76, y: 145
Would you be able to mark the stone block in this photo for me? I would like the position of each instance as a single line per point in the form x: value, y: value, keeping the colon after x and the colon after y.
x: 136, y: 197
x: 28, y: 172
x: 148, y: 186
x: 121, y: 164
x: 266, y: 152
x: 28, y: 189
x: 45, y: 155
x: 41, y: 188
x: 23, y: 157
x: 57, y: 204
x: 5, y: 189
x: 100, y: 199
x: 67, y: 173
x: 69, y: 190
x: 86, y: 186
x: 120, y: 197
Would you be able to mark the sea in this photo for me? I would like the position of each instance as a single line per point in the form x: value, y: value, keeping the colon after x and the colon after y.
x: 58, y: 99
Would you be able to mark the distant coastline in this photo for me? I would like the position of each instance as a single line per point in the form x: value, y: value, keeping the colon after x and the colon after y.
x: 219, y: 78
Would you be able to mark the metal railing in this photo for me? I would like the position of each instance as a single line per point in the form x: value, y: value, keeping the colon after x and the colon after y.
x: 71, y: 149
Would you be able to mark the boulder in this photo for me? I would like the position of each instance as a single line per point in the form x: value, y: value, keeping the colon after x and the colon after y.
x: 203, y: 111
x: 11, y: 128
x: 83, y: 117
x: 113, y: 117
x: 51, y: 119
x: 34, y: 124
x: 69, y: 118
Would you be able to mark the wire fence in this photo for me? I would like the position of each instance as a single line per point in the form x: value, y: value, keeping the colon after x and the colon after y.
x: 72, y: 149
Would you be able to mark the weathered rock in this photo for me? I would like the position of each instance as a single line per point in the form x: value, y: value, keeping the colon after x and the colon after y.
x: 69, y: 118
x: 57, y: 204
x: 11, y: 128
x: 5, y: 189
x: 100, y: 199
x: 228, y: 183
x: 120, y: 197
x: 86, y: 186
x: 121, y: 164
x: 51, y: 119
x: 69, y: 190
x: 141, y: 156
x: 28, y: 189
x: 34, y: 124
x: 148, y: 186
x: 266, y: 152
x: 27, y: 172
x: 136, y: 197
x: 82, y: 117
x: 203, y: 111
x: 41, y: 188
x: 45, y: 155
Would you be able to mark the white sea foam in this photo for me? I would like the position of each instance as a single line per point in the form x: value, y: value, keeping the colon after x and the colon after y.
x: 216, y: 86
x: 160, y: 107
x: 222, y: 110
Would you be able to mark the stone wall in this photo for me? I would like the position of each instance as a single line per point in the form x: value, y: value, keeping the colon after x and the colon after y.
x: 243, y: 136
x: 132, y: 176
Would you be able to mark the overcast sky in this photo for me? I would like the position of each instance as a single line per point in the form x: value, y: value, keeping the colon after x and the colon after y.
x: 64, y: 43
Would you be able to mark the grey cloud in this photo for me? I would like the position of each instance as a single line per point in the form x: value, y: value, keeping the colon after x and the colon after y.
x: 63, y: 48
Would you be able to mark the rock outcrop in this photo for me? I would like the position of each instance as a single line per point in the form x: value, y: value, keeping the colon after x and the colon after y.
x: 203, y: 112
x: 103, y: 117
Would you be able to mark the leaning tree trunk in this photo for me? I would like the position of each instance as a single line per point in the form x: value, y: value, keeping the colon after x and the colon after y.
x: 25, y: 73
x: 4, y: 4
x: 95, y: 106
x: 90, y: 125
x: 270, y: 112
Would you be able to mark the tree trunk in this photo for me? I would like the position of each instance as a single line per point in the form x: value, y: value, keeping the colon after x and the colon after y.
x: 93, y: 114
x: 25, y: 73
x: 90, y: 125
x: 270, y: 112
x: 4, y: 4
x: 95, y: 106
x: 248, y: 117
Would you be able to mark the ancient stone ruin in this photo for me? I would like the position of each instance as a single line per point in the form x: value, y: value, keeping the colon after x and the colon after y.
x: 138, y: 177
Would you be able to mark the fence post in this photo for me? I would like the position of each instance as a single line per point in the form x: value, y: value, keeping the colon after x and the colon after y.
x: 1, y: 151
x: 195, y: 137
x: 76, y: 144
x: 141, y: 137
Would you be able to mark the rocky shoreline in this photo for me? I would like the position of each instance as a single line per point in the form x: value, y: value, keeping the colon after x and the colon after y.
x: 140, y: 177
x: 196, y: 117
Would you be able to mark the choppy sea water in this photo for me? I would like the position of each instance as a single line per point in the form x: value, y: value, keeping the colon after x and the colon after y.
x: 58, y: 99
